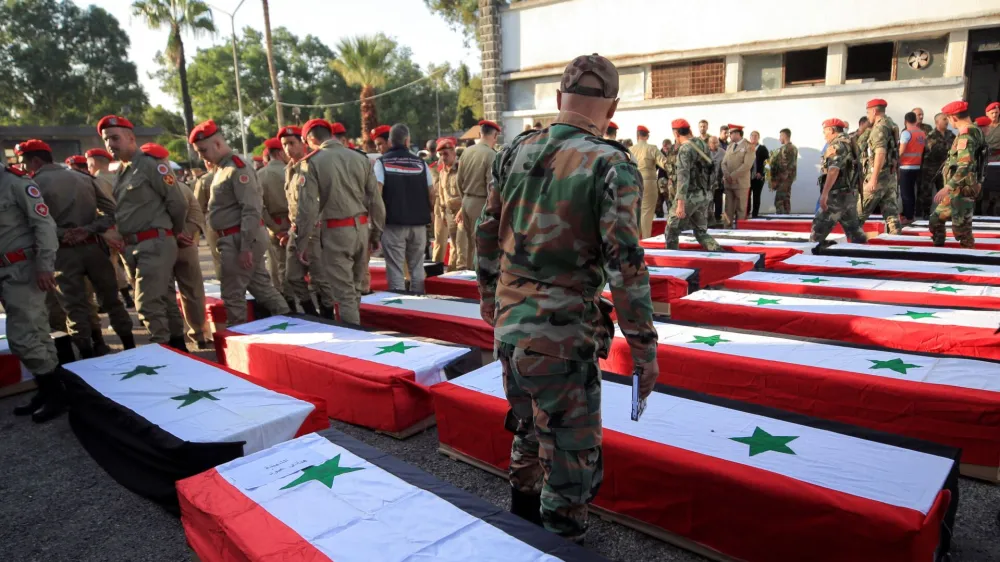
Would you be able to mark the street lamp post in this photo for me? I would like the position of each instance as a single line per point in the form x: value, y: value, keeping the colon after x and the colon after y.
x: 236, y: 70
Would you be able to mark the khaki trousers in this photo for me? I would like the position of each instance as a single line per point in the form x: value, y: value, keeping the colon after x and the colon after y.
x: 151, y: 264
x: 345, y: 253
x: 236, y: 280
x: 736, y: 203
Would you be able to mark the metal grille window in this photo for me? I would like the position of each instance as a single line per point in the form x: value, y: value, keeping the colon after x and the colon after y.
x: 696, y: 78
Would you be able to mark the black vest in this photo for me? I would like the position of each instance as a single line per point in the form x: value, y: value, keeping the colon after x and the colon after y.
x: 405, y: 191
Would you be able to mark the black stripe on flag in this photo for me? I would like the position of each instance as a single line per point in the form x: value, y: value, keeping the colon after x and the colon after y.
x: 912, y: 255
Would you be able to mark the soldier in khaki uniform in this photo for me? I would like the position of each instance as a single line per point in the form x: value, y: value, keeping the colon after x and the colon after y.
x: 272, y: 184
x: 28, y: 245
x: 736, y: 166
x: 151, y: 210
x: 234, y: 212
x: 647, y: 158
x: 448, y: 204
x: 202, y: 189
x: 98, y: 164
x: 339, y: 196
x: 82, y: 212
x: 474, y: 174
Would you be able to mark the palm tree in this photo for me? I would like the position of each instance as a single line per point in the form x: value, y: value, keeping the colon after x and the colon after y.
x: 270, y: 64
x: 364, y: 61
x: 179, y: 16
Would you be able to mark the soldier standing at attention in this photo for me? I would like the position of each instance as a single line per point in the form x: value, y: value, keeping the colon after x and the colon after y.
x: 881, y: 188
x: 935, y: 153
x: 275, y: 215
x: 783, y: 169
x: 295, y: 270
x: 991, y: 187
x: 28, y: 245
x: 447, y: 204
x: 151, y: 210
x: 234, y: 209
x: 202, y: 191
x: 955, y: 201
x: 560, y: 222
x: 647, y: 158
x: 474, y: 174
x: 736, y: 167
x: 337, y: 190
x: 694, y: 192
x: 82, y: 212
x: 611, y: 132
x: 838, y: 182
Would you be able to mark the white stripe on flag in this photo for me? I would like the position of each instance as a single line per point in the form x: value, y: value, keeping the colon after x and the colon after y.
x: 862, y: 263
x: 747, y: 234
x: 192, y: 400
x: 887, y: 474
x: 729, y: 242
x: 730, y: 256
x: 959, y: 253
x: 870, y: 284
x: 214, y: 289
x: 425, y: 304
x: 426, y: 360
x: 368, y: 514
x: 654, y: 271
x: 988, y: 319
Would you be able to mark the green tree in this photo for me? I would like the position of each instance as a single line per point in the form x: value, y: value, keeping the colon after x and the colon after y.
x: 63, y: 65
x: 363, y: 62
x: 179, y: 16
x: 469, y: 109
x: 460, y: 14
x: 174, y: 138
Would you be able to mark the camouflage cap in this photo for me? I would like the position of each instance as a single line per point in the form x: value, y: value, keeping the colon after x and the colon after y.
x: 593, y: 64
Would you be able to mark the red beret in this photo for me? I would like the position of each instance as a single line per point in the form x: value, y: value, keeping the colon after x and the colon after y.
x: 834, y: 122
x: 76, y: 160
x: 202, y: 131
x: 338, y: 129
x: 955, y: 107
x: 113, y: 121
x: 994, y: 105
x: 31, y: 145
x: 679, y: 124
x: 983, y: 121
x: 95, y: 152
x: 612, y: 126
x: 444, y: 142
x: 877, y: 102
x: 273, y: 144
x: 381, y: 131
x: 488, y: 123
x: 735, y: 127
x: 642, y: 129
x: 289, y: 131
x: 155, y: 151
x: 312, y: 123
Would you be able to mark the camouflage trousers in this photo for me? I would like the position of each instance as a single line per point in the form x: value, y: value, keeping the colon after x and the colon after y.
x: 929, y: 185
x: 991, y: 203
x: 841, y: 207
x: 959, y: 210
x: 783, y: 198
x: 555, y: 414
x: 886, y: 196
x: 696, y: 219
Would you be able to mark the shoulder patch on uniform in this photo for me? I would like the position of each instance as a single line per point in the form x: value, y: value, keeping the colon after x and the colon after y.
x: 17, y: 171
x: 302, y: 180
x: 239, y: 162
x: 41, y: 209
x: 244, y: 178
x: 960, y: 144
x: 33, y: 192
x: 169, y: 179
x: 163, y: 169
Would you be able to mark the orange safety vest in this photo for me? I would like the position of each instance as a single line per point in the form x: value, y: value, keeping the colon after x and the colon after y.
x: 912, y: 153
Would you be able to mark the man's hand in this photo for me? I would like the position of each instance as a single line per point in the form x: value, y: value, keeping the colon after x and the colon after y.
x: 458, y: 218
x: 115, y: 240
x: 184, y: 240
x: 283, y: 239
x: 870, y: 186
x: 487, y: 310
x: 728, y: 180
x: 246, y: 259
x: 823, y: 204
x: 302, y: 257
x: 940, y: 195
x: 74, y: 236
x: 647, y: 379
x: 681, y: 212
x: 374, y: 246
x: 46, y: 281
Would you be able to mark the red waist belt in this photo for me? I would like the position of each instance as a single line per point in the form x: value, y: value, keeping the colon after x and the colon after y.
x: 147, y: 235
x: 337, y: 223
x: 232, y: 230
x: 10, y: 258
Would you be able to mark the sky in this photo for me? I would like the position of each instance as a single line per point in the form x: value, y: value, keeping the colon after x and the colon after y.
x: 408, y: 21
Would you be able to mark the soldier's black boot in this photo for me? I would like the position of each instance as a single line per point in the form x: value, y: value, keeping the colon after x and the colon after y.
x: 326, y: 311
x: 309, y: 308
x: 50, y: 386
x: 260, y: 311
x: 526, y: 506
x: 34, y: 404
x: 177, y: 342
x: 64, y: 350
x: 86, y: 350
x: 100, y: 348
x: 291, y: 306
x: 127, y: 298
x: 128, y: 340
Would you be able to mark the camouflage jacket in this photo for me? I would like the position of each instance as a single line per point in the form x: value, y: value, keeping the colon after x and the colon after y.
x: 861, y: 144
x: 993, y: 139
x: 783, y: 164
x: 560, y: 221
x: 842, y: 154
x: 936, y: 152
x: 694, y: 172
x: 671, y: 170
x: 961, y: 168
x: 884, y: 136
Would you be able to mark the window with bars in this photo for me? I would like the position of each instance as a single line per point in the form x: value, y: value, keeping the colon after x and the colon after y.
x: 696, y: 78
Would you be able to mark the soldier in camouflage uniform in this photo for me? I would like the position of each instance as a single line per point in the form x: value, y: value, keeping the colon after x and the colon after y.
x: 991, y: 187
x: 670, y: 191
x: 782, y: 169
x: 561, y: 220
x: 838, y: 181
x: 939, y: 140
x: 957, y: 198
x: 881, y: 188
x: 694, y: 190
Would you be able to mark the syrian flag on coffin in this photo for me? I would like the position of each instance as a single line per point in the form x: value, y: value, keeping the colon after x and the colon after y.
x: 769, y: 235
x: 978, y: 221
x: 11, y: 370
x: 869, y: 289
x: 989, y: 243
x: 152, y: 415
x: 712, y: 266
x: 969, y: 333
x: 773, y: 251
x: 330, y: 497
x: 750, y: 482
x: 443, y: 318
x: 215, y: 308
x: 892, y: 269
x: 914, y: 253
x: 374, y: 380
x: 949, y: 400
x: 990, y: 234
x: 801, y: 225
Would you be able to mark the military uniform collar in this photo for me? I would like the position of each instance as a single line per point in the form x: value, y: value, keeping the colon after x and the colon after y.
x: 448, y: 168
x: 579, y: 121
x: 48, y: 167
x: 275, y: 163
x: 331, y: 143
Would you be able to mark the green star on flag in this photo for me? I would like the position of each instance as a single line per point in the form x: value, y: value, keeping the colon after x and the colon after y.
x: 945, y: 289
x: 856, y: 263
x: 712, y: 255
x: 3, y: 336
x: 763, y: 301
x: 710, y: 341
x: 815, y: 280
x: 323, y: 473
x: 195, y: 395
x: 918, y: 315
x: 993, y: 253
x: 762, y: 442
x: 282, y: 326
x: 897, y: 365
x: 398, y: 347
x: 964, y: 269
x: 900, y: 247
x: 392, y: 301
x: 140, y: 370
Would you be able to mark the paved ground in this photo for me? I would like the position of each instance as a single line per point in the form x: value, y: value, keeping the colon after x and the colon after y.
x: 57, y: 505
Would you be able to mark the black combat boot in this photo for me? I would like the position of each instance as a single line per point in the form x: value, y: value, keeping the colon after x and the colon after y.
x: 33, y: 405
x: 326, y: 312
x: 64, y: 349
x: 128, y: 340
x: 260, y: 311
x: 526, y: 506
x: 291, y: 306
x: 177, y: 342
x: 86, y: 350
x: 309, y: 308
x: 100, y: 348
x: 50, y: 386
x: 127, y: 298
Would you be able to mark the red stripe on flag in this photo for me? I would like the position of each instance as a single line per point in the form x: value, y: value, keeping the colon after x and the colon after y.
x: 473, y: 332
x: 10, y: 369
x: 978, y: 234
x: 356, y: 391
x: 224, y: 525
x: 772, y: 254
x: 884, y: 273
x: 378, y: 279
x: 902, y: 297
x: 681, y: 492
x: 710, y: 271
